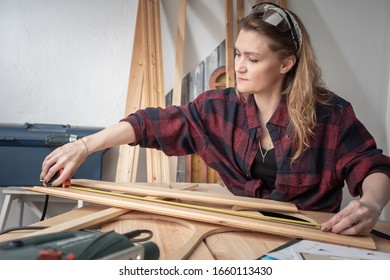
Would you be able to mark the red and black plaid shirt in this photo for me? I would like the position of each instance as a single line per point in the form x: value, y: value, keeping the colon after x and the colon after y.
x: 225, y: 132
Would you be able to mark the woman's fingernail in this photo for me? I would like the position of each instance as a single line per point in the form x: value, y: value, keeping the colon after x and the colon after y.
x: 323, y: 228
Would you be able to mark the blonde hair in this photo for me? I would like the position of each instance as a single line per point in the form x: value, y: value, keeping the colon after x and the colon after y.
x: 302, y: 85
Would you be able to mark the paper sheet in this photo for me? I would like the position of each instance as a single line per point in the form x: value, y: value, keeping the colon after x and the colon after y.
x: 299, y: 249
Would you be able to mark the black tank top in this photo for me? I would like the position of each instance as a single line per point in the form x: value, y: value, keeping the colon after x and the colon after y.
x: 265, y: 170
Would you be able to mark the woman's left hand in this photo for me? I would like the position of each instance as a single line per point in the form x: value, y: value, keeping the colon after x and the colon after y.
x: 356, y: 218
x: 360, y: 216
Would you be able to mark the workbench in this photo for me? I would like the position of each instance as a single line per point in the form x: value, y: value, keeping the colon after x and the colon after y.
x: 26, y: 198
x: 172, y: 234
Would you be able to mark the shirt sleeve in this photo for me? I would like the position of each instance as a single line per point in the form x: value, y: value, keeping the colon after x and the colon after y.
x: 176, y: 130
x: 357, y: 155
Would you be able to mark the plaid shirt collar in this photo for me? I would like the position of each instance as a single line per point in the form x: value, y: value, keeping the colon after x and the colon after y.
x: 279, y: 118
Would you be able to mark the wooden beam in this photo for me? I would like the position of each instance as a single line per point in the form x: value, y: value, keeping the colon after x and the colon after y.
x: 178, y: 73
x: 146, y: 88
x: 157, y: 162
x: 229, y: 43
x: 56, y: 220
x: 188, y: 167
x: 201, y: 231
x: 83, y: 222
x: 251, y: 224
x: 179, y: 59
x: 221, y: 199
x: 85, y: 218
x: 128, y: 155
x: 240, y: 13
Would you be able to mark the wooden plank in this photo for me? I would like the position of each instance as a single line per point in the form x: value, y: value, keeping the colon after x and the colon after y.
x: 62, y: 218
x: 201, y: 252
x: 220, y: 199
x: 240, y: 13
x: 81, y: 218
x: 128, y: 155
x: 243, y: 245
x: 179, y: 59
x: 178, y: 72
x: 177, y: 238
x: 229, y: 44
x: 134, y: 89
x: 162, y: 165
x: 83, y: 222
x: 148, y: 75
x: 127, y: 163
x: 201, y: 231
x: 157, y: 162
x: 188, y: 168
x: 169, y: 234
x: 264, y: 226
x: 201, y: 169
x: 212, y: 175
x: 195, y: 168
x: 159, y: 56
x: 94, y: 218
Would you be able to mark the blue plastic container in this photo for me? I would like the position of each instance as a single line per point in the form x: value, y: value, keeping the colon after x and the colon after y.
x: 23, y: 148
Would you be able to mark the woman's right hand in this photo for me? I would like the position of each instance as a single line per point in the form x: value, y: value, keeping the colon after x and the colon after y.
x: 68, y: 158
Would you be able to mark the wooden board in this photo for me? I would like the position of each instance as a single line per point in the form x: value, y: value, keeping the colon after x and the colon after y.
x: 229, y: 43
x: 264, y: 226
x: 240, y: 13
x: 180, y: 239
x: 221, y: 199
x: 156, y: 161
x: 146, y: 89
x: 181, y: 236
x: 178, y: 73
x: 84, y: 222
x: 128, y: 155
x: 57, y: 220
x: 179, y: 59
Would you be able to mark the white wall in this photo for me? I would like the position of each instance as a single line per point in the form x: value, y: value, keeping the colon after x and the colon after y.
x: 64, y: 61
x: 352, y: 40
x: 68, y: 61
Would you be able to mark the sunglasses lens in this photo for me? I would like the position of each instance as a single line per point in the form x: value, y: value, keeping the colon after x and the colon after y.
x: 276, y: 20
x: 278, y: 17
x: 272, y: 15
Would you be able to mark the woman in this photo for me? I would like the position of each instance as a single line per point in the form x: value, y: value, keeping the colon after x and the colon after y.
x: 280, y: 134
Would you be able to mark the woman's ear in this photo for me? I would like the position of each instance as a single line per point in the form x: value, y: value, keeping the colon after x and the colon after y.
x: 287, y: 64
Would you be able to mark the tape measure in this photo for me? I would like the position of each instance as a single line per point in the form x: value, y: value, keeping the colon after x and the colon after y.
x: 65, y: 184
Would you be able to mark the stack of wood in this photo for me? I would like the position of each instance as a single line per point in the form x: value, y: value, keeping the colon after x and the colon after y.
x: 146, y: 88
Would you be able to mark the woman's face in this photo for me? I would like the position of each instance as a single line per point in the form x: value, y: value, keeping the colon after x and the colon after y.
x: 258, y: 69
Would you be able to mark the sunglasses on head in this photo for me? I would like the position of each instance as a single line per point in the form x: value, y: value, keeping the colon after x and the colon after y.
x: 280, y: 18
